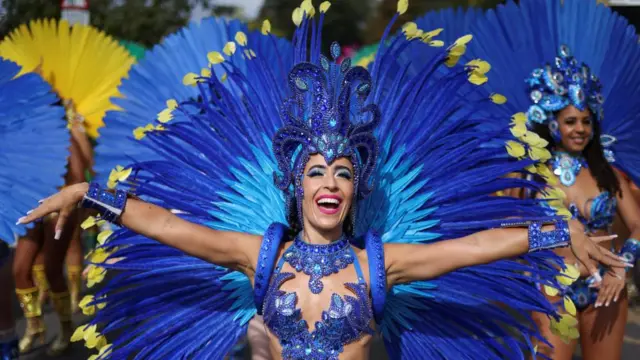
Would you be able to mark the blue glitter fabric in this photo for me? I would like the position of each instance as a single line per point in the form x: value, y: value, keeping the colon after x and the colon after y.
x: 581, y: 294
x: 560, y: 84
x: 567, y: 167
x: 601, y: 209
x: 541, y: 240
x: 346, y: 320
x: 319, y: 261
x: 630, y: 250
x: 110, y: 206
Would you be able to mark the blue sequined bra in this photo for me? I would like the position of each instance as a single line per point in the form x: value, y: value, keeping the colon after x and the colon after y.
x: 347, y: 319
x: 601, y: 214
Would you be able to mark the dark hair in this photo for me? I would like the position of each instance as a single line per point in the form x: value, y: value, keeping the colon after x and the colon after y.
x: 295, y: 223
x: 599, y: 167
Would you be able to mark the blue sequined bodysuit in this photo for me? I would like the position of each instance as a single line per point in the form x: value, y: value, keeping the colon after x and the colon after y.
x: 601, y: 210
x: 347, y: 319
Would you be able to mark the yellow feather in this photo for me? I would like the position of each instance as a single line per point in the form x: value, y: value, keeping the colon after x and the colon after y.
x: 215, y: 58
x: 89, y: 222
x: 229, y: 48
x: 433, y: 33
x: 551, y: 291
x: 479, y: 66
x: 403, y: 5
x: 266, y: 27
x: 296, y: 16
x: 171, y: 104
x: 498, y: 99
x: 515, y: 149
x: 477, y: 79
x: 190, y: 79
x: 241, y: 38
x: 83, y: 64
x: 324, y: 7
x: 409, y: 28
x: 307, y: 7
x: 519, y: 118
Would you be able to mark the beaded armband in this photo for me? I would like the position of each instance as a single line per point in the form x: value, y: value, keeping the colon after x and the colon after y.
x: 630, y: 250
x: 109, y: 204
x: 544, y: 240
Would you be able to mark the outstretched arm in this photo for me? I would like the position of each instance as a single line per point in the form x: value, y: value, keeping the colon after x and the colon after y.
x: 237, y: 251
x: 413, y: 262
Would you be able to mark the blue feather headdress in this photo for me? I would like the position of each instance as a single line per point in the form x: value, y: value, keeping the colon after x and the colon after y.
x: 326, y: 115
x: 563, y: 83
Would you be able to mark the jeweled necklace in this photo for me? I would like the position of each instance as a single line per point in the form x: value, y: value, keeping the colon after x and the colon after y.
x: 318, y: 260
x: 567, y: 166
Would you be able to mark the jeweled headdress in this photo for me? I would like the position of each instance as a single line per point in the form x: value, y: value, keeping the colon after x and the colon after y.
x: 326, y: 115
x: 563, y: 83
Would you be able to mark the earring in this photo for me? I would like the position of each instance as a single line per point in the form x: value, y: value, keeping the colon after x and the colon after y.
x: 353, y: 216
x: 554, y: 129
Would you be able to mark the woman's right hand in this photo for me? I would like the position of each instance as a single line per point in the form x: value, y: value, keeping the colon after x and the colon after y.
x: 62, y: 203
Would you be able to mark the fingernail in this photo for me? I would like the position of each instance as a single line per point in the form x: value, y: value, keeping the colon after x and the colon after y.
x: 628, y: 264
x: 614, y: 236
x: 607, y: 304
x: 597, y: 277
x: 597, y: 305
x: 29, y: 212
x: 615, y: 299
x: 20, y: 220
x: 40, y: 201
x: 57, y: 235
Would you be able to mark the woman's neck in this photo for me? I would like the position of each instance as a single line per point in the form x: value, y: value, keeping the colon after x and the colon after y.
x: 560, y: 149
x: 314, y: 236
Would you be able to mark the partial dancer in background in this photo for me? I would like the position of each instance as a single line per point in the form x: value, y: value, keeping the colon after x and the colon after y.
x: 84, y: 67
x: 571, y: 69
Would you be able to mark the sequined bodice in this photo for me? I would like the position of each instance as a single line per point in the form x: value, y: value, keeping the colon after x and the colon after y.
x: 346, y: 320
x: 601, y: 210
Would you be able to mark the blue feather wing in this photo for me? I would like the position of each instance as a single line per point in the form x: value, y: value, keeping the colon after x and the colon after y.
x: 33, y: 146
x: 442, y: 159
x: 158, y: 78
x: 212, y: 164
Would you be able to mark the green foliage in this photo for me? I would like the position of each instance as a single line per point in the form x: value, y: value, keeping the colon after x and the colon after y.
x: 143, y: 21
x: 344, y: 22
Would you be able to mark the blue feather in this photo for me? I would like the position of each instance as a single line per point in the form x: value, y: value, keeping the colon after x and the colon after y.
x: 33, y: 146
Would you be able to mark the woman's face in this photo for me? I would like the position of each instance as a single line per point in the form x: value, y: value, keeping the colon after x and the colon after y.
x: 328, y: 193
x: 575, y: 128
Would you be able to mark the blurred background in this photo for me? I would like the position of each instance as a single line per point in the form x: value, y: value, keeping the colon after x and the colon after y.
x: 146, y: 22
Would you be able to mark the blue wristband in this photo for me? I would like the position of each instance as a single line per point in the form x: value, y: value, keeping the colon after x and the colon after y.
x: 110, y: 205
x: 630, y: 250
x: 545, y: 240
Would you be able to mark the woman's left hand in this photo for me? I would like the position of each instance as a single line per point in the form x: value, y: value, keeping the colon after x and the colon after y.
x: 611, y: 288
x: 586, y: 250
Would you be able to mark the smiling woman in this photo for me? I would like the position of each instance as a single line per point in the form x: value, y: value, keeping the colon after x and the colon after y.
x: 327, y: 199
